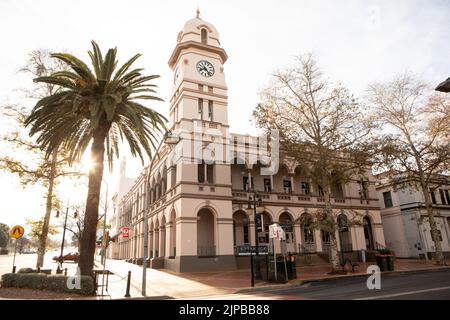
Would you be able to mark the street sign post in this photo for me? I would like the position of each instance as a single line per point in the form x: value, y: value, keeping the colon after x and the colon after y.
x: 17, y: 233
x: 277, y: 232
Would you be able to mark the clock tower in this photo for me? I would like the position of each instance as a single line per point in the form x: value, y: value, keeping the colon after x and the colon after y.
x: 199, y: 91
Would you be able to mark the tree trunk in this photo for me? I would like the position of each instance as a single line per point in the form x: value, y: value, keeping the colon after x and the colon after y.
x: 89, y: 235
x: 434, y: 231
x: 334, y: 258
x: 48, y: 210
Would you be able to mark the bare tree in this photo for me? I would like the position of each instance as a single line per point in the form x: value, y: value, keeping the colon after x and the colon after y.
x: 324, y: 127
x: 415, y: 134
x: 28, y: 160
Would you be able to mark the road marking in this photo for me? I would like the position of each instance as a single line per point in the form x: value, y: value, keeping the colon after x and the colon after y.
x: 404, y: 293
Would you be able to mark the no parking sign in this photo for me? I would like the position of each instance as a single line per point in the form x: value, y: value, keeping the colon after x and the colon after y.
x: 125, y: 232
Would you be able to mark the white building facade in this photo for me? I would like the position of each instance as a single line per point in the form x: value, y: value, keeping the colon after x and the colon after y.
x: 405, y: 218
x: 197, y: 208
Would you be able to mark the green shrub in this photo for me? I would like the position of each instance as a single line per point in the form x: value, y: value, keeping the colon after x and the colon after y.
x: 57, y: 283
x: 31, y: 281
x: 25, y: 270
x: 385, y: 251
x: 9, y: 280
x: 87, y: 285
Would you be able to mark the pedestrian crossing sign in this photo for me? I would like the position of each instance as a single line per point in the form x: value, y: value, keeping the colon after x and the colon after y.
x: 17, y: 232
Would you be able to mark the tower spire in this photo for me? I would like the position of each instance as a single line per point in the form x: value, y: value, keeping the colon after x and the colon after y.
x: 198, y: 13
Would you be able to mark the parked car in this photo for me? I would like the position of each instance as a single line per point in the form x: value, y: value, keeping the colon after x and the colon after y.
x: 28, y: 251
x: 73, y: 256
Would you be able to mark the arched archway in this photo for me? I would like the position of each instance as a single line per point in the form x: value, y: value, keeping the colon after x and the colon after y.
x: 368, y: 234
x: 206, y: 226
x: 282, y: 181
x: 286, y: 222
x: 344, y: 233
x: 241, y: 235
x: 307, y: 232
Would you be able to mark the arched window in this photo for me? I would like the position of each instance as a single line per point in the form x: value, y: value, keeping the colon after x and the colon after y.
x: 204, y: 34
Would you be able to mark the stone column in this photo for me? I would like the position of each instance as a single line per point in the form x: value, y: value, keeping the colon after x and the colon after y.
x: 298, y: 236
x: 318, y: 239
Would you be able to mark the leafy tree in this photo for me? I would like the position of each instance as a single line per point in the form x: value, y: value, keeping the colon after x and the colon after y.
x: 28, y: 161
x: 99, y: 106
x: 36, y: 230
x: 415, y: 138
x: 322, y: 125
x: 4, y: 235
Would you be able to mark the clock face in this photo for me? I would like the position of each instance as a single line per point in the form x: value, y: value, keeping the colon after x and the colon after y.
x: 205, y: 68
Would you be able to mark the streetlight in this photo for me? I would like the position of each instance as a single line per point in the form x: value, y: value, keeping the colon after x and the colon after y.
x: 169, y: 138
x: 61, y: 258
x: 444, y: 86
x: 255, y: 207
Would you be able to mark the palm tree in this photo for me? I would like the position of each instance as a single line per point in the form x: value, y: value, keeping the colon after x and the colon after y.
x: 99, y: 107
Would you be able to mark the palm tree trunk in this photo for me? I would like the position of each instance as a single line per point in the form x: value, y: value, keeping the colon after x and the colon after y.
x: 48, y: 210
x: 88, y: 238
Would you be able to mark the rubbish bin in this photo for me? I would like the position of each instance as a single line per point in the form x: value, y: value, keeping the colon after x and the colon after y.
x: 390, y: 262
x: 382, y: 262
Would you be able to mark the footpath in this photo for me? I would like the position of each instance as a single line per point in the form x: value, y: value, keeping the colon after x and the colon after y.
x: 166, y: 284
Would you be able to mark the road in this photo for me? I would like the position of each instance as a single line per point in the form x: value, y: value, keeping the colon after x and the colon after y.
x: 29, y: 261
x: 426, y: 285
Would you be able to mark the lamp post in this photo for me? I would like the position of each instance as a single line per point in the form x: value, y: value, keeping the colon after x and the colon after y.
x: 169, y: 138
x: 61, y: 257
x: 255, y: 207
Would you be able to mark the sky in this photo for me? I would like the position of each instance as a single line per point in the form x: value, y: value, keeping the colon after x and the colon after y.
x: 355, y: 42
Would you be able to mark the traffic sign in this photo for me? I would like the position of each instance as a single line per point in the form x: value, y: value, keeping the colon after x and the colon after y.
x: 125, y: 232
x: 17, y: 232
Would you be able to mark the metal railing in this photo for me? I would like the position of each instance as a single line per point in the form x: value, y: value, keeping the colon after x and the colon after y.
x: 206, y: 251
x: 307, y: 248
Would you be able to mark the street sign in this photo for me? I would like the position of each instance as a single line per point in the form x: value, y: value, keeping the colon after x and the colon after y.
x: 251, y: 250
x: 125, y: 232
x: 276, y: 232
x: 17, y: 232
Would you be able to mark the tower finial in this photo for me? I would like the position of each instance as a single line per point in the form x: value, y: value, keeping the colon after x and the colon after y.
x: 198, y: 13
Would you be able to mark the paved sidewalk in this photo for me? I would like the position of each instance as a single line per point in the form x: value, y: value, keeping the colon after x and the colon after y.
x: 163, y: 284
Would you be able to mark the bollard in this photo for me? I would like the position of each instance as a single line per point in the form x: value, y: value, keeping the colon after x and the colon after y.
x: 65, y: 271
x: 14, y: 269
x: 38, y: 269
x: 127, y: 294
